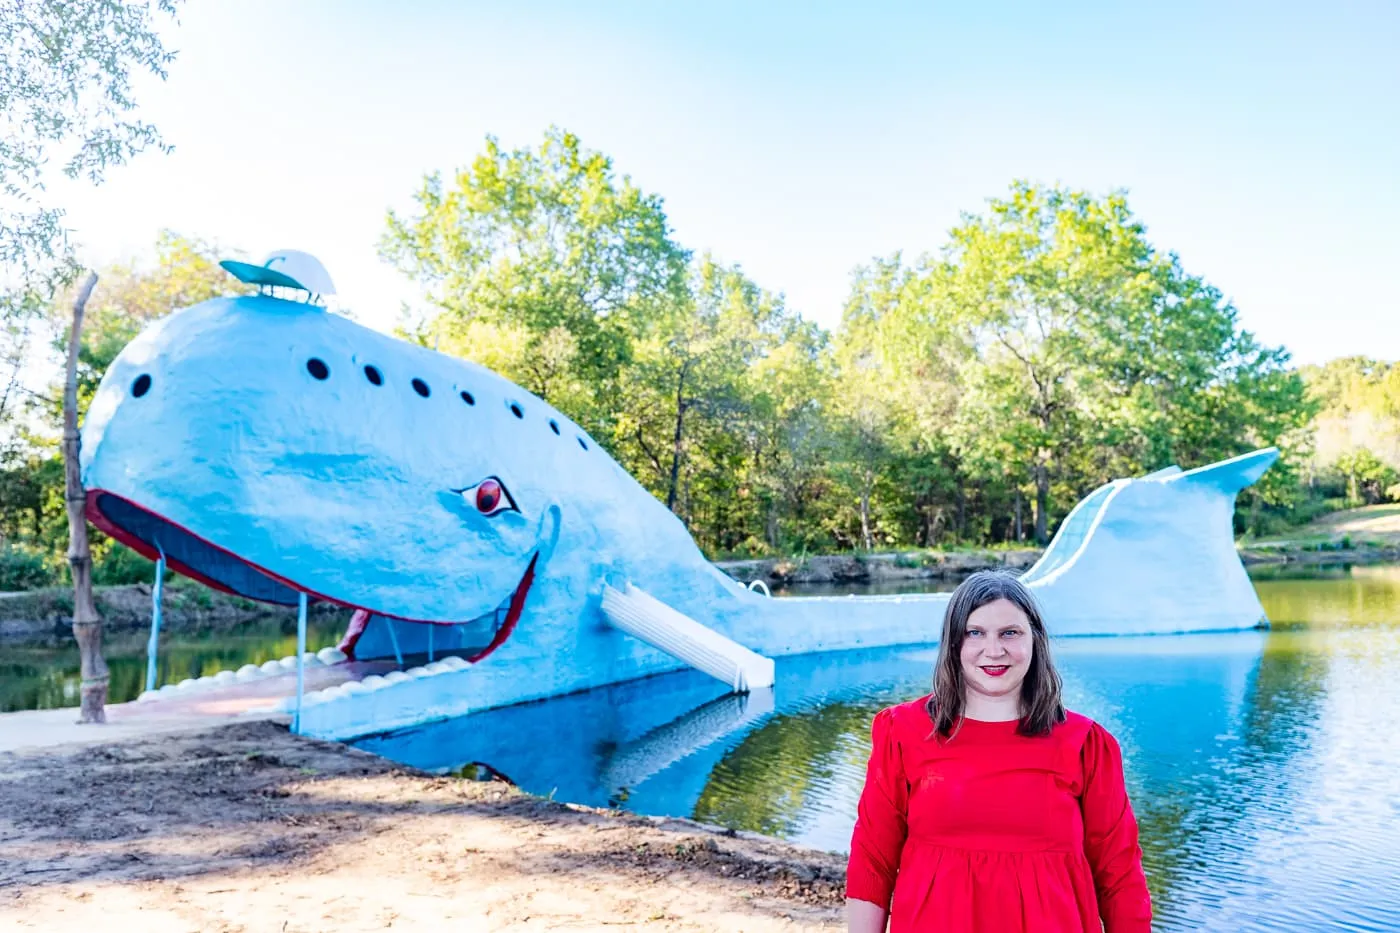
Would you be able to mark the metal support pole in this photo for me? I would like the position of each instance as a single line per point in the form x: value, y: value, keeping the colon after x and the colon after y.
x: 394, y: 640
x: 153, y: 646
x: 301, y: 660
x: 431, y: 628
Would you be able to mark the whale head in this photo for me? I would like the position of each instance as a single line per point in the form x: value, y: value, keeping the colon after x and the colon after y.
x: 269, y: 448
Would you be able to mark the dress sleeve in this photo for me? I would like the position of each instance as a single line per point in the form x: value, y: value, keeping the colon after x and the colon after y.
x: 1111, y: 838
x: 881, y: 825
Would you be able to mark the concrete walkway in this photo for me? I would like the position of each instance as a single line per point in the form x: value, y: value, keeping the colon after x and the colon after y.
x: 47, y: 728
x: 210, y: 705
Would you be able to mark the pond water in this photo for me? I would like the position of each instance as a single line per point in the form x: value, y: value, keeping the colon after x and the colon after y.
x: 46, y: 677
x: 1263, y: 765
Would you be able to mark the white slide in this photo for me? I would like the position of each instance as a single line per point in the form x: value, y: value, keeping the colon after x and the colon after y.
x: 643, y: 616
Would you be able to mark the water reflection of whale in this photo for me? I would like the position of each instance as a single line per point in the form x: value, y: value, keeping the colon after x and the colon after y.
x: 649, y: 744
x: 1181, y: 707
x: 590, y: 747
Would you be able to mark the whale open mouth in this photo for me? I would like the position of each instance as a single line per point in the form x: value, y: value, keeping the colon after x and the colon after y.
x: 185, y: 552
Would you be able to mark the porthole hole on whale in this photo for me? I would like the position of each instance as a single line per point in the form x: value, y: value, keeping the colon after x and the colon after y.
x: 554, y: 425
x: 421, y: 388
x: 467, y: 397
x: 515, y: 409
x: 374, y: 376
x: 318, y: 369
x: 141, y: 385
x: 582, y: 443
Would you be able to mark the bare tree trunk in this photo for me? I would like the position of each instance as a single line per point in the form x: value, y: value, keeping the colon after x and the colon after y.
x: 962, y: 512
x: 674, y: 485
x: 1020, y: 532
x: 671, y: 489
x: 866, y: 537
x: 87, y: 624
x: 1042, y: 504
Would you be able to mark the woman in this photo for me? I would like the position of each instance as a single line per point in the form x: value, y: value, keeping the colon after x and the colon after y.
x: 987, y: 807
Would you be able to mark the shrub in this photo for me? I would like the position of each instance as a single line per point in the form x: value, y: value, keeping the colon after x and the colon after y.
x: 23, y: 568
x: 116, y: 564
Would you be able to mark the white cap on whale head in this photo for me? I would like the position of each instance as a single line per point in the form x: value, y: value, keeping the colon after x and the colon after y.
x: 287, y: 268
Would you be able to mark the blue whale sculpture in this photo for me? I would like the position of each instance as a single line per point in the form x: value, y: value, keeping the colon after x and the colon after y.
x: 269, y: 448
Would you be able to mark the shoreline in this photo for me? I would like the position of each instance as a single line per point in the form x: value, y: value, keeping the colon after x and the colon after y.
x: 876, y: 568
x: 246, y: 827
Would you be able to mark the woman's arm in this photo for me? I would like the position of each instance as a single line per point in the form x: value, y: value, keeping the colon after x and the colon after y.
x: 1111, y: 838
x: 864, y: 917
x: 878, y: 837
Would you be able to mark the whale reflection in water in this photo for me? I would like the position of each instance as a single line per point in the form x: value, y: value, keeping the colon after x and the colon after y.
x: 660, y: 744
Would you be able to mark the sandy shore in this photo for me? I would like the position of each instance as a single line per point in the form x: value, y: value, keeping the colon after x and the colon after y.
x: 247, y: 828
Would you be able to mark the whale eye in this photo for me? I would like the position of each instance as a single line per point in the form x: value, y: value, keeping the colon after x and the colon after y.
x: 490, y: 497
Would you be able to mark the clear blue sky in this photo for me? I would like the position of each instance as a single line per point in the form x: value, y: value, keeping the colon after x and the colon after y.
x: 1261, y: 142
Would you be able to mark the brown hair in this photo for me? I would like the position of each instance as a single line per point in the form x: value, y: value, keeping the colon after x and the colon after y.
x: 1041, y: 705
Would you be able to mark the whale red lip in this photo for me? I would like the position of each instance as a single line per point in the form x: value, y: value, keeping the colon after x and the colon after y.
x: 99, y: 518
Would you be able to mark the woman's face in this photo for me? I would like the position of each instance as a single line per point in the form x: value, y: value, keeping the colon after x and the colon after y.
x: 996, y: 652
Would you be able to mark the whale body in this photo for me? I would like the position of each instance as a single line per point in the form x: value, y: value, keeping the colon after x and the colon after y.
x: 269, y: 448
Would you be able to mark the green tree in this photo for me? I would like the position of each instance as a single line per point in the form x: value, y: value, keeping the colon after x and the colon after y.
x: 898, y: 386
x: 687, y: 373
x: 184, y: 272
x: 66, y: 93
x: 131, y: 296
x: 1096, y: 355
x: 1358, y: 406
x: 551, y: 250
x: 1368, y: 477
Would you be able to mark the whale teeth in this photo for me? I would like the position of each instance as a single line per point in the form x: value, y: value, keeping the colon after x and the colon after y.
x: 246, y: 673
x: 377, y: 682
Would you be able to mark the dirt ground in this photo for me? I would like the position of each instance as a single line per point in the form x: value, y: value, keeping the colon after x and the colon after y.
x: 247, y: 828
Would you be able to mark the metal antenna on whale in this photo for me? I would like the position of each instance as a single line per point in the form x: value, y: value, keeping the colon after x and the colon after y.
x: 289, y: 269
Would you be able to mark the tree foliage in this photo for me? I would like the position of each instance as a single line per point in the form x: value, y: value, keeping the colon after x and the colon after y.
x: 545, y: 262
x: 127, y: 298
x: 68, y: 108
x: 970, y: 396
x: 1357, y: 429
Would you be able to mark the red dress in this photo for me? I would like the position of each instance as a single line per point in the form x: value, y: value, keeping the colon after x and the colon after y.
x: 994, y: 832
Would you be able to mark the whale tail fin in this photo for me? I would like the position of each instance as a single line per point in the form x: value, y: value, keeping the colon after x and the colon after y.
x: 1153, y: 554
x: 1231, y: 476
